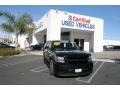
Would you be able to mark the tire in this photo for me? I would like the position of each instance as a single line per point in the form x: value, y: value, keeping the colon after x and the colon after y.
x: 51, y: 68
x: 44, y: 59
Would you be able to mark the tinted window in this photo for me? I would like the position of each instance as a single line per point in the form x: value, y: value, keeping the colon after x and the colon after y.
x: 59, y: 46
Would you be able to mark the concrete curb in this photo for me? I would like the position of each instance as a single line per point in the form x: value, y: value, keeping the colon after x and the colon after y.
x: 107, y: 60
x: 1, y: 57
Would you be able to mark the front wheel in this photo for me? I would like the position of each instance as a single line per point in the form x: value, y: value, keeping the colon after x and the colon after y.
x: 51, y: 68
x: 44, y: 59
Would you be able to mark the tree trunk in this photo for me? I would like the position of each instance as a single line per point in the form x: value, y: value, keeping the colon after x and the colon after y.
x: 16, y: 42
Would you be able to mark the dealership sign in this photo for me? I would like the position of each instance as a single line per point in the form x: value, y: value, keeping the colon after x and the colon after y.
x: 78, y: 22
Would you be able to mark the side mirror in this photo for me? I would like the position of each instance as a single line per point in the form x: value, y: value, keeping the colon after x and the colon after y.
x: 46, y: 47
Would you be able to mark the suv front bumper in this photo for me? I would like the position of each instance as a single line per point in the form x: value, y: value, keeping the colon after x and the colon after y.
x: 63, y: 69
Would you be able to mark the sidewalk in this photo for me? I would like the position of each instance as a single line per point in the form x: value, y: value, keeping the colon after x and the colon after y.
x: 114, y: 55
x: 35, y: 52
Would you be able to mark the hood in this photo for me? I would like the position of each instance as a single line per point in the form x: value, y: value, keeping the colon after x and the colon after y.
x: 76, y: 54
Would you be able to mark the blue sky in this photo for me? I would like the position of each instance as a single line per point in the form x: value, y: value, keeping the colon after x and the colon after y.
x: 110, y: 14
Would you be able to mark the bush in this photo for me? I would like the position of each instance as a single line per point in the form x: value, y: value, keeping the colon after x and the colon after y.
x: 8, y: 52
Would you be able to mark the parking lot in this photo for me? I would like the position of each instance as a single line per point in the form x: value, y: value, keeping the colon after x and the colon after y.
x: 30, y: 70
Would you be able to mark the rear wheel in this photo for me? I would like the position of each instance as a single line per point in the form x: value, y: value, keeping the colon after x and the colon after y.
x: 51, y: 68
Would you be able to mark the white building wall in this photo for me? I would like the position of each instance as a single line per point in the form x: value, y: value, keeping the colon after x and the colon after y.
x: 98, y: 35
x: 53, y: 26
x: 22, y: 41
x: 80, y: 35
x: 40, y: 36
x: 88, y: 44
x: 42, y: 23
x: 34, y: 40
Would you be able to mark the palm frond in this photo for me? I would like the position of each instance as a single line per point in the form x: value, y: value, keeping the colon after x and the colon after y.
x: 27, y: 18
x: 7, y: 27
x: 24, y: 24
x: 9, y: 17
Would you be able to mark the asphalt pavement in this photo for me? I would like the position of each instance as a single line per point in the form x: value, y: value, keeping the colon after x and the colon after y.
x: 30, y: 70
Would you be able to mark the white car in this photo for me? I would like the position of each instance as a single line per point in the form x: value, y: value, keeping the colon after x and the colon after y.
x: 12, y: 44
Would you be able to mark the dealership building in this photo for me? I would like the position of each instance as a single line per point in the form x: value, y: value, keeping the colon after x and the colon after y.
x: 86, y: 31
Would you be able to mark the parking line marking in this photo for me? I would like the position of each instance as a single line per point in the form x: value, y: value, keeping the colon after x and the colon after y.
x: 104, y: 60
x: 90, y: 79
x: 78, y: 79
x: 39, y: 69
x: 95, y: 62
x: 6, y: 64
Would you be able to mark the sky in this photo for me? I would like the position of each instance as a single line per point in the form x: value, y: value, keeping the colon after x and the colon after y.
x: 110, y: 15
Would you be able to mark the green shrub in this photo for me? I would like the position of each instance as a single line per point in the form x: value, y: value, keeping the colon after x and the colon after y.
x: 8, y: 52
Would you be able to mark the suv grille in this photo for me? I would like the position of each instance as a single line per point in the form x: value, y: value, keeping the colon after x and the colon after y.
x: 76, y: 62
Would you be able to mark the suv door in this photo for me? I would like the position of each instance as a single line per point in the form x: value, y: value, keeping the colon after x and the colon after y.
x: 47, y: 51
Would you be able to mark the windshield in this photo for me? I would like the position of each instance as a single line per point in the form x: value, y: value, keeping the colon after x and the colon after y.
x: 64, y: 46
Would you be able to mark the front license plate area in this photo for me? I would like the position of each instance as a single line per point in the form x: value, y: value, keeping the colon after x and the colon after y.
x: 78, y: 70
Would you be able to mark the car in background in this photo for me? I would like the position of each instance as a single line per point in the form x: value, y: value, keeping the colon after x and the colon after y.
x: 2, y: 45
x: 116, y: 47
x: 12, y: 44
x: 111, y: 47
x: 64, y: 58
x: 38, y: 46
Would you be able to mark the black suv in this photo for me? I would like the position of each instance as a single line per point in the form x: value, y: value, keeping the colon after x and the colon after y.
x: 64, y: 58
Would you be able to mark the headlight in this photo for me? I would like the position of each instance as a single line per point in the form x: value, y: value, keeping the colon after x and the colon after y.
x: 60, y: 59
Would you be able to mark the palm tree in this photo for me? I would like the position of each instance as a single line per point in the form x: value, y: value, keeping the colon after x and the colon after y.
x: 19, y: 25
